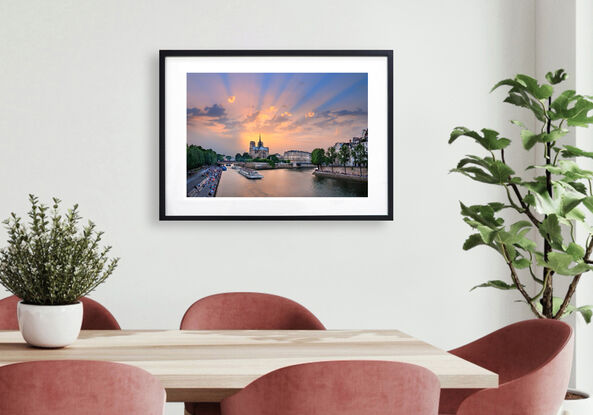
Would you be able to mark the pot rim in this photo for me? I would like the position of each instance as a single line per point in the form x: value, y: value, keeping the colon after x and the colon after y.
x: 48, y: 305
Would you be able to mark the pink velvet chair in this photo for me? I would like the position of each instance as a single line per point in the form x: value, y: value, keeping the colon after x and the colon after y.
x: 244, y: 311
x: 73, y: 387
x: 95, y: 317
x: 533, y: 359
x: 339, y: 388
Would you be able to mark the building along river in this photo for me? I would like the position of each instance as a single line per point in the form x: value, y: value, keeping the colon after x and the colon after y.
x: 288, y: 183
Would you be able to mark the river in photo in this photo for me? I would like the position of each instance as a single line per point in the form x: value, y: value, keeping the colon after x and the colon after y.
x: 288, y: 183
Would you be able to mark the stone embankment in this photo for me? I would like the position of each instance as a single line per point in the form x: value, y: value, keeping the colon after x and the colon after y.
x: 337, y: 174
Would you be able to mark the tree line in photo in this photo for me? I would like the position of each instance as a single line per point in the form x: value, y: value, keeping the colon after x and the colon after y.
x: 272, y: 159
x: 358, y: 156
x: 197, y: 156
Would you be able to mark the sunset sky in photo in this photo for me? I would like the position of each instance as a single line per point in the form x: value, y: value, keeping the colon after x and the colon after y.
x: 292, y: 111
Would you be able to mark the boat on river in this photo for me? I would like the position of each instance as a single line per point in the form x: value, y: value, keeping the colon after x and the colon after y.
x: 250, y: 174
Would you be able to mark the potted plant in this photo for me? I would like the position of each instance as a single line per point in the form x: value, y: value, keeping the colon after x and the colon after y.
x: 50, y: 263
x: 551, y: 198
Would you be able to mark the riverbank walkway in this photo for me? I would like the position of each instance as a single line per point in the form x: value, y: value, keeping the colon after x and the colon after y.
x: 204, y: 183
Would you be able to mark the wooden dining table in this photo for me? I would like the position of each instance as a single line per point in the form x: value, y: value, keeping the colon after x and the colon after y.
x: 209, y: 365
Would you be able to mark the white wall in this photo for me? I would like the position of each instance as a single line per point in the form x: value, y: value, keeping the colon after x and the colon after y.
x: 79, y: 105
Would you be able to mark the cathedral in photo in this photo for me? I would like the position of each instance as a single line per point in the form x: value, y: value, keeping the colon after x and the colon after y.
x: 258, y: 151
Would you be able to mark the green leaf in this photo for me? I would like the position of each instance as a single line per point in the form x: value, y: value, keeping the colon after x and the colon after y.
x: 569, y: 169
x: 522, y: 100
x: 550, y: 229
x: 554, y: 135
x: 472, y: 241
x: 561, y: 262
x: 542, y: 201
x: 482, y: 214
x: 563, y: 203
x: 579, y: 187
x: 578, y: 116
x: 500, y: 171
x: 526, y: 244
x: 531, y: 85
x: 529, y: 139
x: 529, y: 199
x: 516, y: 233
x: 588, y: 203
x: 521, y: 86
x: 576, y: 251
x: 559, y: 107
x: 569, y: 200
x: 487, y: 233
x: 506, y: 82
x: 501, y: 285
x: 489, y: 138
x: 571, y: 151
x: 521, y: 263
x: 525, y: 84
x: 519, y: 124
x: 520, y: 225
x: 556, y: 77
x: 493, y: 141
x: 497, y: 206
x: 586, y: 312
x: 486, y: 170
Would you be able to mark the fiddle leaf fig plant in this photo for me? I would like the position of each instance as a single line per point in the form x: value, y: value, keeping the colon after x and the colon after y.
x: 52, y: 260
x: 552, y: 197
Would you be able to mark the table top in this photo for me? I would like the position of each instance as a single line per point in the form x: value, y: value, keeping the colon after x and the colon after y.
x: 209, y: 365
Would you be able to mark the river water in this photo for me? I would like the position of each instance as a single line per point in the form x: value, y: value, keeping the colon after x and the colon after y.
x: 287, y: 183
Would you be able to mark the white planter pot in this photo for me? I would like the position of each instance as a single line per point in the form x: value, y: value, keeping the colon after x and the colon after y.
x: 577, y: 406
x: 49, y: 325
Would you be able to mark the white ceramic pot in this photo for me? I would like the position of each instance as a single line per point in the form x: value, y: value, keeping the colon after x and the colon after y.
x: 577, y: 406
x: 49, y: 325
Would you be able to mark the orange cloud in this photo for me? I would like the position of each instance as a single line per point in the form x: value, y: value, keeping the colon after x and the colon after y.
x: 310, y: 114
x: 231, y: 99
x: 273, y: 108
x: 286, y: 114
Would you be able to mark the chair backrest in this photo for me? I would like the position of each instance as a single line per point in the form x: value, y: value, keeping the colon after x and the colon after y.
x: 69, y: 387
x: 8, y: 319
x: 339, y: 388
x: 532, y: 358
x: 95, y: 317
x: 518, y: 349
x: 248, y: 311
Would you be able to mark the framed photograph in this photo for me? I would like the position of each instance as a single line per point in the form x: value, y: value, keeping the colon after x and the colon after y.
x: 276, y: 135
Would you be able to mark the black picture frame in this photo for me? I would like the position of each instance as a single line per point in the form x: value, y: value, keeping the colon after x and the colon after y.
x: 164, y: 54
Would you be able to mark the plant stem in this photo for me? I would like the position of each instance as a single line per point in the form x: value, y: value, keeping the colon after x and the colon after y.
x: 517, y: 282
x: 573, y: 285
x: 548, y: 294
x: 524, y: 207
